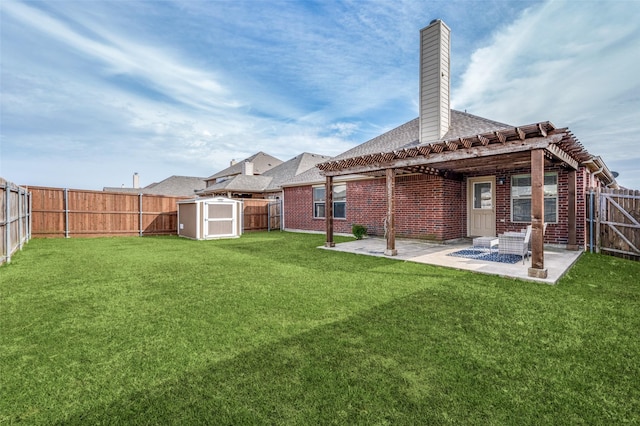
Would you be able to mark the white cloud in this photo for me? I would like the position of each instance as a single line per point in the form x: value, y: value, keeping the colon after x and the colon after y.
x: 181, y: 88
x: 572, y: 63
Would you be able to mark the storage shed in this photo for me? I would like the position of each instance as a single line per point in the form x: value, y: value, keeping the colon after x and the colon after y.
x: 209, y: 218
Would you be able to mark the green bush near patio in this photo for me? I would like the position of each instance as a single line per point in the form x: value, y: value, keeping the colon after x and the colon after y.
x: 270, y: 329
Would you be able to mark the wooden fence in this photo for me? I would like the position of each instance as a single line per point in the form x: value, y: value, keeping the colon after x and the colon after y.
x: 61, y: 212
x: 614, y: 222
x: 261, y: 214
x: 15, y: 219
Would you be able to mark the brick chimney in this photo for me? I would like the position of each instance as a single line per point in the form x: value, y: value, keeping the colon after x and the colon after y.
x: 434, y: 81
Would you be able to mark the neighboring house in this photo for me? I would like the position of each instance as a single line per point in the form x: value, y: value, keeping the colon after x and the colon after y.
x: 266, y: 185
x: 448, y: 175
x: 255, y: 165
x: 177, y: 186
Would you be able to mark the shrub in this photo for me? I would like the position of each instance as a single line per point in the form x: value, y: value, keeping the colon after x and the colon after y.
x: 359, y: 231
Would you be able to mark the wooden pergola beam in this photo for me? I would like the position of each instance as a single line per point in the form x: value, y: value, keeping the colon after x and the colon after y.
x: 562, y: 156
x: 391, y: 214
x: 328, y: 211
x: 537, y: 215
x: 450, y: 156
x: 571, y: 214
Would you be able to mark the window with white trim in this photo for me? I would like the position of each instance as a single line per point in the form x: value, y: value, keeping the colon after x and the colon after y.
x: 521, y: 198
x: 339, y: 201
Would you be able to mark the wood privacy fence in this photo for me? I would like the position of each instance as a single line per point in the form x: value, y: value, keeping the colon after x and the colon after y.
x: 261, y: 214
x: 15, y: 219
x: 614, y: 222
x: 59, y: 212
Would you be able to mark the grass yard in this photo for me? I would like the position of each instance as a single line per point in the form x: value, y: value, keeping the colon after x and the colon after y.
x: 267, y: 329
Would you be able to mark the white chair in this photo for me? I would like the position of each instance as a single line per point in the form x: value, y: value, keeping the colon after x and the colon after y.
x: 515, y: 243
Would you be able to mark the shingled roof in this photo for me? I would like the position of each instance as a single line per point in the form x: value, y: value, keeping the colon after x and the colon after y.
x: 405, y: 136
x: 261, y: 163
x: 269, y: 181
x: 173, y: 185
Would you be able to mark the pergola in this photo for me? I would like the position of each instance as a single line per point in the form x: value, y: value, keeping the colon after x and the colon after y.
x: 527, y: 146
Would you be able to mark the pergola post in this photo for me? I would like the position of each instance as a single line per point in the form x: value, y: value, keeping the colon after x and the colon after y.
x: 391, y: 211
x: 537, y: 215
x: 328, y: 211
x: 572, y: 241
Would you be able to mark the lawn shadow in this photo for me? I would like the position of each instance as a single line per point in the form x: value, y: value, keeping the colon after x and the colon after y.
x: 431, y: 357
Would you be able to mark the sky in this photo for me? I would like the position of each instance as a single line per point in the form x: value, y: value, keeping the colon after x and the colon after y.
x: 93, y: 91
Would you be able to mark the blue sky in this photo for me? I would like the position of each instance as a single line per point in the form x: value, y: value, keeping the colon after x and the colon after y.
x: 93, y: 91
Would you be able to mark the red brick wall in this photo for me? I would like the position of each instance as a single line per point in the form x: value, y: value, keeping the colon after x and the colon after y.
x: 432, y: 207
x: 556, y: 233
x: 426, y: 207
x: 298, y: 209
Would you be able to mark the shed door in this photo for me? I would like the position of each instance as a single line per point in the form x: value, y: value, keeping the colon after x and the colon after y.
x: 481, y: 200
x: 220, y: 220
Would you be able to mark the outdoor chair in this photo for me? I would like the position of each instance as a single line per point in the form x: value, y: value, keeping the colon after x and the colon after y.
x: 515, y: 243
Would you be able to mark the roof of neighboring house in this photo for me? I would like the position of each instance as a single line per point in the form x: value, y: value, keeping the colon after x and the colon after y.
x: 176, y: 185
x: 298, y: 164
x: 405, y: 136
x: 173, y: 185
x: 261, y: 163
x: 242, y: 183
x: 122, y: 189
x: 272, y: 179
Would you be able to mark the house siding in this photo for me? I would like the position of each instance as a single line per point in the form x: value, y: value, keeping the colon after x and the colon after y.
x: 433, y: 207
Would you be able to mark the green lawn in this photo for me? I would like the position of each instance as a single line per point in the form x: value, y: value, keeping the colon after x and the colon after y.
x: 269, y: 329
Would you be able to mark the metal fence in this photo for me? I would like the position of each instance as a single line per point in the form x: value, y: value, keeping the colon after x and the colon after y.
x: 15, y: 219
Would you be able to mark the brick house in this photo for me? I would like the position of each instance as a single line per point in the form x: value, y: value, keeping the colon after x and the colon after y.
x: 448, y: 175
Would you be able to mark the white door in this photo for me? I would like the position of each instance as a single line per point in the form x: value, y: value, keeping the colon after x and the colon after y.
x: 220, y: 219
x: 481, y: 199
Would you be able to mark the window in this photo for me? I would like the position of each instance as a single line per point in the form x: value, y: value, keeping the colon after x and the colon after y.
x: 318, y: 201
x: 521, y: 198
x: 339, y: 201
x: 482, y: 198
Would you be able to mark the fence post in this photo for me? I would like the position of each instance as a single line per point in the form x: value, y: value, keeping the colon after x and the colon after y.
x: 140, y: 214
x: 20, y: 218
x: 591, y: 220
x: 599, y: 210
x: 7, y: 223
x: 66, y: 212
x: 30, y: 209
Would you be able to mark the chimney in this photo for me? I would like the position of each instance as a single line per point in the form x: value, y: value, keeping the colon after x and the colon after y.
x: 247, y: 168
x: 136, y: 180
x: 233, y: 162
x: 434, y: 81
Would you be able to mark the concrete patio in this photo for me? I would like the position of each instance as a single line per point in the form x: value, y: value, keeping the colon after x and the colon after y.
x: 557, y: 261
